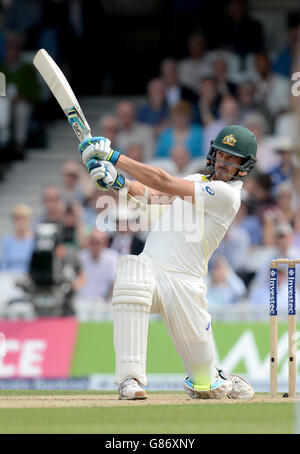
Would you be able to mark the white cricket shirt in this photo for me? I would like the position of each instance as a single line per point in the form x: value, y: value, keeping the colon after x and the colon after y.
x: 187, y: 234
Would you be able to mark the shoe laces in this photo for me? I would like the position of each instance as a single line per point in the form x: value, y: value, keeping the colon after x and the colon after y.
x: 126, y: 382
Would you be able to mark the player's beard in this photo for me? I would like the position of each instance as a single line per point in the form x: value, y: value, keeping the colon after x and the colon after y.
x: 221, y: 173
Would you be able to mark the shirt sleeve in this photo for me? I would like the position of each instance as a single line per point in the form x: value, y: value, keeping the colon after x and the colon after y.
x: 216, y: 198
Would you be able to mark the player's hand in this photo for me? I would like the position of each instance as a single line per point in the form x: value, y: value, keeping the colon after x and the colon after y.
x: 99, y: 148
x: 104, y: 175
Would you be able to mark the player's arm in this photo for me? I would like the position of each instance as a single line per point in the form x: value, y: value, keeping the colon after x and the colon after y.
x: 154, y: 180
x: 139, y: 190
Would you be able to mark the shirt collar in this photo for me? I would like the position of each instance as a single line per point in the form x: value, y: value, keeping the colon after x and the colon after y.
x: 238, y: 184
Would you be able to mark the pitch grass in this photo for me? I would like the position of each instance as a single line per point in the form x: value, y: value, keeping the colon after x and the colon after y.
x: 254, y: 418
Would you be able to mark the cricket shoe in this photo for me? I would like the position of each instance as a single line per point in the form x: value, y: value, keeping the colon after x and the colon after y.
x: 241, y: 389
x: 217, y: 390
x: 130, y: 389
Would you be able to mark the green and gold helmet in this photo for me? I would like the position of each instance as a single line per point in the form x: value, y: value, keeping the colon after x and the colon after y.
x: 237, y: 141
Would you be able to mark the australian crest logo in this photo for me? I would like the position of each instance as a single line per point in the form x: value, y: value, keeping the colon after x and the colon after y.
x: 229, y: 140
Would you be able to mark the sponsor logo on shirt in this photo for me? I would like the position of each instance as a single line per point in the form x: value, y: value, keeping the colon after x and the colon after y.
x: 210, y: 190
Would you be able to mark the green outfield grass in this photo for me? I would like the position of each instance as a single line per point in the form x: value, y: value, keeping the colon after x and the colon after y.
x: 94, y: 352
x: 240, y: 418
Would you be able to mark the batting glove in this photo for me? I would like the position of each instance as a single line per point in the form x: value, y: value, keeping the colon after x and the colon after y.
x: 99, y: 148
x: 104, y: 176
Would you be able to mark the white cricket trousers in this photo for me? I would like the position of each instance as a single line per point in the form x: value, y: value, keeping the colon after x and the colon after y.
x: 142, y: 287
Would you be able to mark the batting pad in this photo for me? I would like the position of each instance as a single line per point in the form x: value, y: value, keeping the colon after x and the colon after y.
x: 132, y: 299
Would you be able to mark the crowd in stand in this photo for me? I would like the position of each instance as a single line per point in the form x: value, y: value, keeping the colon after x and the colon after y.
x: 186, y: 104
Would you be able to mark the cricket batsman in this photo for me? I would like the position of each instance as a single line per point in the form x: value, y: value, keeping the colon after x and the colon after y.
x: 167, y: 277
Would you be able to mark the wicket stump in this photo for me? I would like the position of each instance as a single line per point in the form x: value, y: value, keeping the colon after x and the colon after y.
x: 291, y: 325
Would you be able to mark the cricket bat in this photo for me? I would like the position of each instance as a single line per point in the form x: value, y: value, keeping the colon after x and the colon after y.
x: 60, y: 87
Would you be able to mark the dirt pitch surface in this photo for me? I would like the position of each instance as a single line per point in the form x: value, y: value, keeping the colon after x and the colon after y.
x: 111, y: 400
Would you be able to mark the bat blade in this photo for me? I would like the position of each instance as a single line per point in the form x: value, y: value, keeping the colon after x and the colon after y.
x: 60, y: 87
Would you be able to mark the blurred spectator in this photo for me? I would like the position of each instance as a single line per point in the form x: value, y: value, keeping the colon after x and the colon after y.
x: 286, y: 125
x: 192, y: 68
x: 223, y: 285
x: 260, y: 291
x: 53, y: 206
x: 180, y: 158
x: 99, y: 265
x: 180, y: 163
x: 296, y: 186
x: 283, y: 248
x: 267, y: 158
x: 17, y: 247
x: 175, y: 90
x: 284, y: 197
x: 52, y: 25
x: 258, y: 188
x: 94, y: 206
x: 69, y: 270
x: 124, y: 240
x: 108, y: 127
x: 181, y: 131
x: 283, y: 213
x: 54, y: 272
x: 73, y: 231
x: 272, y: 89
x: 22, y: 91
x: 246, y: 97
x: 229, y: 114
x: 76, y: 184
x: 235, y: 246
x: 296, y: 206
x: 284, y: 169
x: 5, y: 154
x: 284, y: 242
x: 131, y: 131
x: 238, y: 26
x: 206, y: 109
x: 220, y: 70
x: 136, y: 151
x: 155, y: 111
x: 90, y: 211
x: 232, y: 60
x: 247, y: 221
x: 283, y: 61
x: 60, y: 30
x: 15, y: 19
x: 229, y: 110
